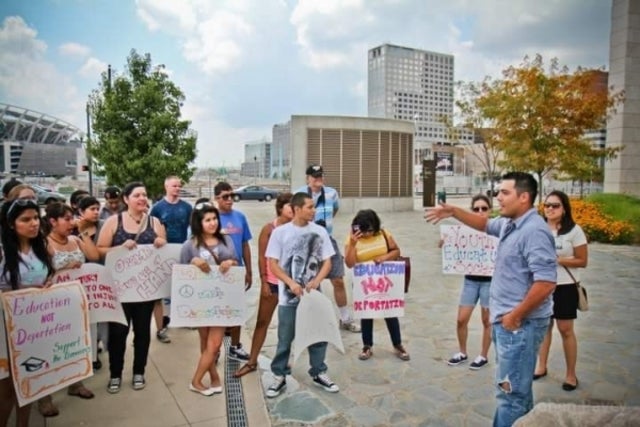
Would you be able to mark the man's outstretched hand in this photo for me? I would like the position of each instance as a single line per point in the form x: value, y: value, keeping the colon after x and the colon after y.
x: 438, y: 213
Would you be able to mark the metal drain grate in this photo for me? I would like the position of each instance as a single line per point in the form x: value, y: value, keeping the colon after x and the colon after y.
x: 236, y: 411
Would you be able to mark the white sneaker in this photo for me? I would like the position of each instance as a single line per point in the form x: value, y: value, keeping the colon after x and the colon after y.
x: 277, y: 386
x: 325, y: 382
x: 350, y: 326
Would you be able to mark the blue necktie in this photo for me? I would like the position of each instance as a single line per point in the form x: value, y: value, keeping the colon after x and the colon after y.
x: 508, y: 229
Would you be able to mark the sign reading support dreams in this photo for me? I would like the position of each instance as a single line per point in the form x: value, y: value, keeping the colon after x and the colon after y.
x: 142, y: 273
x: 378, y: 290
x: 207, y: 299
x: 102, y: 299
x: 49, y: 339
x: 467, y: 251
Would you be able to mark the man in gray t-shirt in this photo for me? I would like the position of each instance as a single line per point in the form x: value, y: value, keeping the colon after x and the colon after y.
x: 523, y: 281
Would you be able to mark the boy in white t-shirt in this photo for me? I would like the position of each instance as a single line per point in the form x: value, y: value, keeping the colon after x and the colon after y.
x: 299, y: 255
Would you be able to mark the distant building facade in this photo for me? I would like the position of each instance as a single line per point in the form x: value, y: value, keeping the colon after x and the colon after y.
x: 33, y: 143
x: 257, y: 160
x: 281, y: 151
x: 368, y: 160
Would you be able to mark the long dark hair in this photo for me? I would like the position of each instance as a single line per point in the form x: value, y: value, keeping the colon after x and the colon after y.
x: 197, y: 231
x: 9, y: 212
x: 566, y: 222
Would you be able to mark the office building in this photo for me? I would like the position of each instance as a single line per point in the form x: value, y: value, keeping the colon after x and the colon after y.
x: 257, y: 160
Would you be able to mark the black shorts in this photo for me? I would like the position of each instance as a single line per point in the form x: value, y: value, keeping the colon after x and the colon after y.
x: 565, y: 302
x: 274, y: 288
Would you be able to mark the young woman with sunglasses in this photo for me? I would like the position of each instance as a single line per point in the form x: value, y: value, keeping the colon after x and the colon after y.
x: 269, y: 289
x: 206, y: 248
x: 128, y: 229
x: 571, y: 248
x: 474, y: 289
x: 66, y: 251
x: 24, y: 263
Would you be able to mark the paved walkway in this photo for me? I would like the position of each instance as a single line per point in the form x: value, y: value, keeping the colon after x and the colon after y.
x: 384, y: 390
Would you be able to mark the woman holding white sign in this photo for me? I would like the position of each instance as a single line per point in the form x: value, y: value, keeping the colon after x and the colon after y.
x: 206, y: 248
x: 24, y: 263
x: 128, y: 229
x: 367, y: 241
x: 572, y: 252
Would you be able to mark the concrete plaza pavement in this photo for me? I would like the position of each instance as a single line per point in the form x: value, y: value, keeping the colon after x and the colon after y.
x: 384, y: 390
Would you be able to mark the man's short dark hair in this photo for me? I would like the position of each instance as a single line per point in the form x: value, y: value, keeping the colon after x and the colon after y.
x: 222, y: 186
x: 9, y: 185
x: 112, y: 192
x: 524, y: 183
x: 299, y: 199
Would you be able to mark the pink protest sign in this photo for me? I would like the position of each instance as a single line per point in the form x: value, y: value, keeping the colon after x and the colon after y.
x: 378, y: 290
x: 143, y: 273
x: 467, y: 251
x: 102, y: 299
x: 48, y: 337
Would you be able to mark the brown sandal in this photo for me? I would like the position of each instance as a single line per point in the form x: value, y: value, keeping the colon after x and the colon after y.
x: 47, y: 408
x: 80, y: 391
x: 401, y: 353
x: 366, y: 353
x: 245, y: 369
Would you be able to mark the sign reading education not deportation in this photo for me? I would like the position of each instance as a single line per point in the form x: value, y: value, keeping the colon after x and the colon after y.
x: 378, y: 290
x: 467, y: 251
x: 207, y: 299
x: 142, y: 273
x: 49, y: 339
x: 102, y: 299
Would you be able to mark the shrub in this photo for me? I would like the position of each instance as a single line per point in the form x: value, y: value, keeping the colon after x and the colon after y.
x: 598, y: 226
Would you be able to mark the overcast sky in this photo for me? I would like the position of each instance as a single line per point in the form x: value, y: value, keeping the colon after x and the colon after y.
x: 245, y: 65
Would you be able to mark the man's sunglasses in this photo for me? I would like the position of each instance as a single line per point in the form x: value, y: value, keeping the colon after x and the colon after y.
x: 480, y: 208
x: 31, y: 203
x: 225, y: 196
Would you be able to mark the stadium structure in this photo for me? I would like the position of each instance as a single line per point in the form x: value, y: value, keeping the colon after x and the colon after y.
x: 37, y: 144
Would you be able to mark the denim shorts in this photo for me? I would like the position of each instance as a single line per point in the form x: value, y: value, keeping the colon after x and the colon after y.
x: 472, y: 291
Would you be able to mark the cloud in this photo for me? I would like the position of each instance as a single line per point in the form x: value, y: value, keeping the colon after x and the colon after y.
x: 92, y: 68
x: 28, y: 80
x: 74, y: 50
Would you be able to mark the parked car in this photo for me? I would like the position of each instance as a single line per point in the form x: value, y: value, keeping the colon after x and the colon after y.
x: 46, y: 196
x: 254, y: 192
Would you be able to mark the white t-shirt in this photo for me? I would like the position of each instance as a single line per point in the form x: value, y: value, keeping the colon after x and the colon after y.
x: 300, y: 252
x: 565, y: 245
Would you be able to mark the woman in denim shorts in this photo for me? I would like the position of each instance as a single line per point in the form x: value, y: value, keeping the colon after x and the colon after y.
x: 474, y: 288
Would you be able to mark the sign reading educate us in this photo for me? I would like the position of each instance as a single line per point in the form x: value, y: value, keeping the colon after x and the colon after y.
x: 378, y: 290
x: 467, y: 251
x: 48, y: 337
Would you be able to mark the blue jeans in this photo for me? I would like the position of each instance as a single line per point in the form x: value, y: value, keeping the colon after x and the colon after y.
x: 286, y: 333
x: 516, y: 353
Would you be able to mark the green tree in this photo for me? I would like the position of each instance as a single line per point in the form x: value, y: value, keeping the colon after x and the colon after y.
x: 137, y: 127
x: 538, y: 118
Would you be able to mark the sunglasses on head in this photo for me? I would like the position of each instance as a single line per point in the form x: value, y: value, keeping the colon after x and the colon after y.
x: 23, y: 203
x: 552, y: 205
x: 480, y: 208
x: 225, y: 196
x: 202, y: 205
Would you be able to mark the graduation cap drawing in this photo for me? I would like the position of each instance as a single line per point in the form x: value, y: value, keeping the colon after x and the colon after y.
x: 33, y: 364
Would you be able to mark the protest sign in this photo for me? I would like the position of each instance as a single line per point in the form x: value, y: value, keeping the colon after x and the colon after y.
x: 49, y: 339
x: 142, y: 273
x: 378, y: 290
x: 316, y: 321
x: 467, y: 251
x: 98, y: 287
x: 4, y: 354
x: 207, y: 299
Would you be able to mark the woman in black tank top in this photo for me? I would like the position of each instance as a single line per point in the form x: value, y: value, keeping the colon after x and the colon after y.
x: 128, y: 229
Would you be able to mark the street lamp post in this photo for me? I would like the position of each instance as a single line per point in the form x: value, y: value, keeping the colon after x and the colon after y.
x: 89, y: 156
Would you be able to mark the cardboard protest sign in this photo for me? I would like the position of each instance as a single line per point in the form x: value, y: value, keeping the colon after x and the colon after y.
x: 143, y: 273
x: 207, y: 299
x: 467, y: 251
x: 49, y: 339
x: 378, y: 290
x: 4, y: 353
x: 316, y: 321
x: 98, y: 287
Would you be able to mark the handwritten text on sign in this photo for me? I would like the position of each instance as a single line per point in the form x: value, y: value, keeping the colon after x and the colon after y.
x: 213, y: 299
x: 143, y: 273
x: 378, y: 290
x: 49, y: 339
x: 104, y: 305
x: 467, y: 251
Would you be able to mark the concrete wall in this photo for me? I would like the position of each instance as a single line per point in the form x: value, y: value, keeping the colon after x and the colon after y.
x: 622, y: 175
